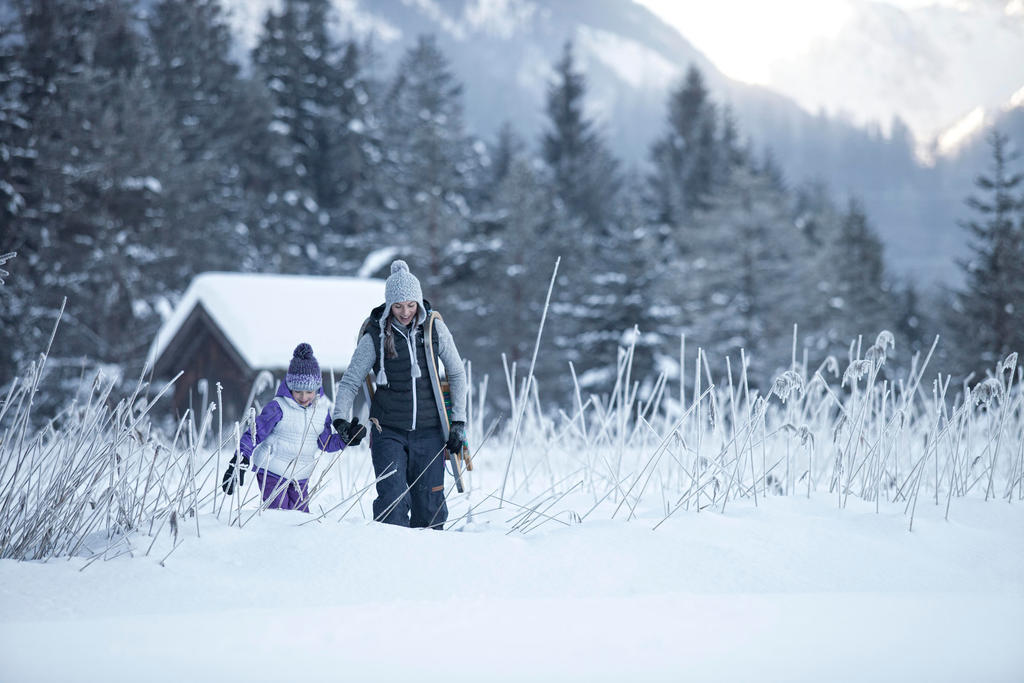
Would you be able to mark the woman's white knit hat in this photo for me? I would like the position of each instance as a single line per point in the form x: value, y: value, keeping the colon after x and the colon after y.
x: 401, y: 286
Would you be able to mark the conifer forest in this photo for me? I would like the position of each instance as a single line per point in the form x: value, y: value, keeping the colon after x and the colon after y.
x: 138, y: 149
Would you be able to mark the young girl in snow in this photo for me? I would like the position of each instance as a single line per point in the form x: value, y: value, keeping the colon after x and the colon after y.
x: 290, y: 431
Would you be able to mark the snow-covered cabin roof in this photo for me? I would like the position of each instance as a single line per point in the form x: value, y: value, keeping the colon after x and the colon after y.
x: 265, y: 316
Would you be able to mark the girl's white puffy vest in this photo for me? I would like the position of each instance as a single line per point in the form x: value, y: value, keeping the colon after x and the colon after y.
x: 293, y: 439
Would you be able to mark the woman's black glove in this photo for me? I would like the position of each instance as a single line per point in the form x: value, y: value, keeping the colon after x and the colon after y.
x: 456, y: 437
x: 351, y: 432
x: 228, y: 482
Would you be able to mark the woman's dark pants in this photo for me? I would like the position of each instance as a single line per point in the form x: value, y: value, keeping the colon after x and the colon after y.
x: 406, y: 498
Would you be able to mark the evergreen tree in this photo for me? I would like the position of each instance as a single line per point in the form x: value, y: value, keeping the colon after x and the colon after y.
x: 585, y: 182
x: 297, y: 59
x: 15, y: 178
x: 818, y: 220
x: 359, y: 148
x: 770, y: 169
x: 744, y: 283
x: 732, y: 152
x: 506, y: 150
x: 219, y: 126
x: 96, y: 224
x: 501, y: 295
x: 741, y: 261
x: 194, y: 71
x: 912, y: 323
x: 39, y: 42
x: 859, y: 298
x: 429, y: 164
x: 15, y: 158
x: 625, y: 277
x: 814, y: 213
x: 691, y: 163
x: 685, y: 158
x: 583, y: 171
x: 319, y: 175
x: 988, y: 310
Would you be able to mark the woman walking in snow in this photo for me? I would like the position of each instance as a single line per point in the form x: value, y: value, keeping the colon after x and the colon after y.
x: 286, y: 444
x: 400, y: 343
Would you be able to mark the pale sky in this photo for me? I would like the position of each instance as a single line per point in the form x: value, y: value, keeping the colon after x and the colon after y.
x: 745, y: 38
x: 869, y: 59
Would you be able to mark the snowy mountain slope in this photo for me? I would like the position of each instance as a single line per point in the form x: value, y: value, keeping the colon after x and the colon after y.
x: 931, y: 65
x: 958, y: 139
x: 503, y: 51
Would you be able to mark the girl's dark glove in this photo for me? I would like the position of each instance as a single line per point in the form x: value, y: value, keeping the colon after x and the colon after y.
x: 456, y: 437
x: 351, y: 432
x: 228, y: 482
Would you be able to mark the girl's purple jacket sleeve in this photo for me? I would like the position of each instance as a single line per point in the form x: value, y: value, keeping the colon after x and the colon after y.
x: 330, y: 442
x: 265, y: 423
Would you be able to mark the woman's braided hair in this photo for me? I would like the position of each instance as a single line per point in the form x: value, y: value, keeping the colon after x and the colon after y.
x: 389, y: 337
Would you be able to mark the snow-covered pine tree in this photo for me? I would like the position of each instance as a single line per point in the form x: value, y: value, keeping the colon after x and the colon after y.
x: 298, y: 58
x: 584, y: 172
x: 914, y: 320
x: 193, y: 68
x: 731, y: 151
x: 988, y: 312
x: 221, y: 128
x: 507, y: 148
x: 585, y: 180
x: 768, y: 166
x: 859, y: 299
x: 745, y: 280
x: 15, y: 177
x: 627, y: 270
x: 38, y: 40
x: 501, y: 294
x: 303, y: 67
x: 359, y: 148
x: 818, y: 219
x: 686, y: 157
x: 96, y: 223
x: 15, y: 158
x: 429, y: 167
x: 703, y: 190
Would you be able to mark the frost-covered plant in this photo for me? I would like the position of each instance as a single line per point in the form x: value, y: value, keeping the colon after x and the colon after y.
x: 989, y: 390
x: 760, y: 407
x: 4, y: 258
x: 885, y: 339
x: 629, y: 451
x: 830, y: 364
x: 856, y: 370
x: 803, y: 432
x: 788, y: 383
x: 877, y: 352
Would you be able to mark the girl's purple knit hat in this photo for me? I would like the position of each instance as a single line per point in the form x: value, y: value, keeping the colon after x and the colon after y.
x: 303, y: 371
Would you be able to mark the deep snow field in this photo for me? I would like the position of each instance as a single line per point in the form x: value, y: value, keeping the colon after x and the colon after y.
x: 794, y: 589
x: 857, y: 530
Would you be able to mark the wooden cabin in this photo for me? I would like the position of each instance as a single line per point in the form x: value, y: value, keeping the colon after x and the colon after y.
x: 230, y: 327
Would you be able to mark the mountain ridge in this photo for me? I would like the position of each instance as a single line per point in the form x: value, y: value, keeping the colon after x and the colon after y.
x: 504, y: 52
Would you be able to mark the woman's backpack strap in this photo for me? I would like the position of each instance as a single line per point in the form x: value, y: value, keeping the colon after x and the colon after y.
x: 433, y: 370
x: 368, y: 386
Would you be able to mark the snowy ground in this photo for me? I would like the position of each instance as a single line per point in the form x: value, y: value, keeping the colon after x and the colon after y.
x: 793, y: 590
